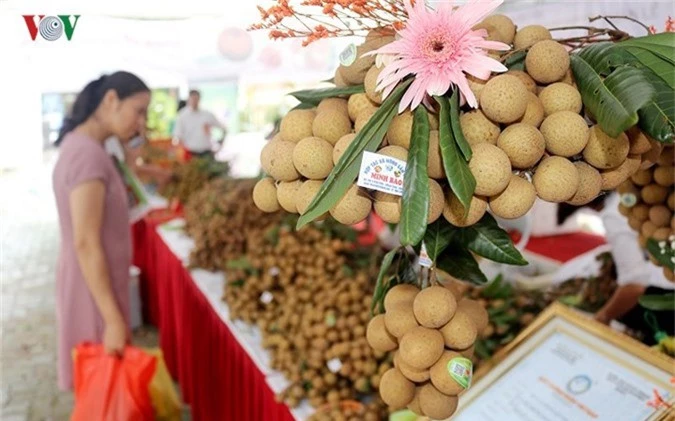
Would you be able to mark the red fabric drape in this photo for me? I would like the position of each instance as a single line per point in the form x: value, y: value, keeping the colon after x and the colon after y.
x: 565, y: 247
x: 217, y: 377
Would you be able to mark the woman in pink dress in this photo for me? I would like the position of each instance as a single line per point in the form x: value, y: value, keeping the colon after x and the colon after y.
x: 93, y: 268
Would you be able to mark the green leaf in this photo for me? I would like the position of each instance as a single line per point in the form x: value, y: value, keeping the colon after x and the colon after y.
x: 241, y: 263
x: 314, y: 96
x: 660, y: 67
x: 614, y: 100
x: 482, y: 350
x: 516, y: 61
x: 663, y: 255
x: 461, y: 264
x: 457, y: 170
x: 662, y: 44
x: 665, y: 302
x: 438, y: 237
x: 657, y: 117
x: 415, y: 201
x: 487, y: 239
x: 456, y: 128
x: 380, y: 288
x: 303, y: 106
x: 494, y: 288
x: 343, y: 174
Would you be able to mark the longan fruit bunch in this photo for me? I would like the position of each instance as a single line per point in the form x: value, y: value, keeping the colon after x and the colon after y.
x: 535, y: 118
x: 374, y: 411
x: 331, y: 326
x: 221, y: 218
x: 648, y: 199
x: 432, y: 337
x: 294, y: 262
x: 529, y: 138
x: 192, y: 176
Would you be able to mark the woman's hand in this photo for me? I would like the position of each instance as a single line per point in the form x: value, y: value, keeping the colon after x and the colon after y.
x: 115, y: 338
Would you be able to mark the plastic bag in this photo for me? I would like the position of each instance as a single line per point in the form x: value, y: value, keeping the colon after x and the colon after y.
x: 108, y: 388
x: 165, y: 400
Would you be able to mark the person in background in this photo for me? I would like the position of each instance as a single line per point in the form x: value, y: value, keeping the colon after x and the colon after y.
x: 194, y: 126
x: 636, y: 274
x: 92, y: 278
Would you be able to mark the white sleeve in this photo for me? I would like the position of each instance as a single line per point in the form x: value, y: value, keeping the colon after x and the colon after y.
x: 215, y: 122
x: 631, y: 265
x: 178, y: 128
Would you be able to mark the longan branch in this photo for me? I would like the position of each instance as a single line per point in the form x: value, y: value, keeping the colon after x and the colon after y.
x: 607, y: 19
x: 593, y: 32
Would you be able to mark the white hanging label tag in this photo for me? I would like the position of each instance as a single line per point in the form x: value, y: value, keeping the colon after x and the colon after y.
x: 425, y: 260
x: 382, y: 173
x: 334, y: 365
x: 266, y: 297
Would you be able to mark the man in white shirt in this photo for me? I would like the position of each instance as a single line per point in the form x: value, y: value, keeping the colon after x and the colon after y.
x: 194, y: 125
x: 636, y: 275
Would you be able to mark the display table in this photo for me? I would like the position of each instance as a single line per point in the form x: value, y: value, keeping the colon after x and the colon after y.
x: 220, y: 365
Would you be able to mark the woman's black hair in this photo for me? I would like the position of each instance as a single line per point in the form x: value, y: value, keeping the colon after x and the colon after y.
x: 181, y: 104
x: 125, y: 84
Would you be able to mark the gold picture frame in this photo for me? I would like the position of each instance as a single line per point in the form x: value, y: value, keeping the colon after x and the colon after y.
x: 623, y: 351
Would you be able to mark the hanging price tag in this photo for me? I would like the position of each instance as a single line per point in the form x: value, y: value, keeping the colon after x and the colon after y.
x: 425, y: 260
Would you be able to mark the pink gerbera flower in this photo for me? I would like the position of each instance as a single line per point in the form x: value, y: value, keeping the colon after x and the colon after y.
x: 439, y: 48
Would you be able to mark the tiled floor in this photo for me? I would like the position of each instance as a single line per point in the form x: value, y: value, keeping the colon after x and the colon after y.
x: 28, y: 250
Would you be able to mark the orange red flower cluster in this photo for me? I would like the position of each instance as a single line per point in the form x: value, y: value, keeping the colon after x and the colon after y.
x: 670, y: 26
x: 317, y: 19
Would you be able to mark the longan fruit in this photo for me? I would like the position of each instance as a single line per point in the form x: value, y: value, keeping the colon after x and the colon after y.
x: 604, y: 152
x: 454, y: 211
x: 523, y: 144
x: 515, y: 201
x: 478, y: 128
x: 534, y: 113
x: 491, y: 168
x: 529, y: 35
x: 590, y: 184
x: 547, y: 61
x: 560, y: 97
x: 556, y: 179
x: 565, y: 132
x: 504, y: 99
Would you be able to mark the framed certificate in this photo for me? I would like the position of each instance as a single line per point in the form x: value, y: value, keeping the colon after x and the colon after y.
x: 566, y: 367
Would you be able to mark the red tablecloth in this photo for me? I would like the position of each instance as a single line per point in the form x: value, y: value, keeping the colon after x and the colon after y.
x: 217, y: 377
x: 565, y: 247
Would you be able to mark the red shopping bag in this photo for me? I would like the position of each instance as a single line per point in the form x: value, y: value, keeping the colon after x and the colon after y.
x: 110, y: 388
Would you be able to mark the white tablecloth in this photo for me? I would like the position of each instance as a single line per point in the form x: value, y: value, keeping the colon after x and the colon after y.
x: 212, y: 285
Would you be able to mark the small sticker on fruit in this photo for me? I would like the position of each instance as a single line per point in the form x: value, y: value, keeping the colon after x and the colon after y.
x: 334, y: 365
x: 382, y: 173
x: 348, y: 55
x: 461, y: 370
x: 266, y: 297
x: 628, y: 200
x: 425, y: 260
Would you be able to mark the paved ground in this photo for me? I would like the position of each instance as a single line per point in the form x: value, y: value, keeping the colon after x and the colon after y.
x: 28, y: 250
